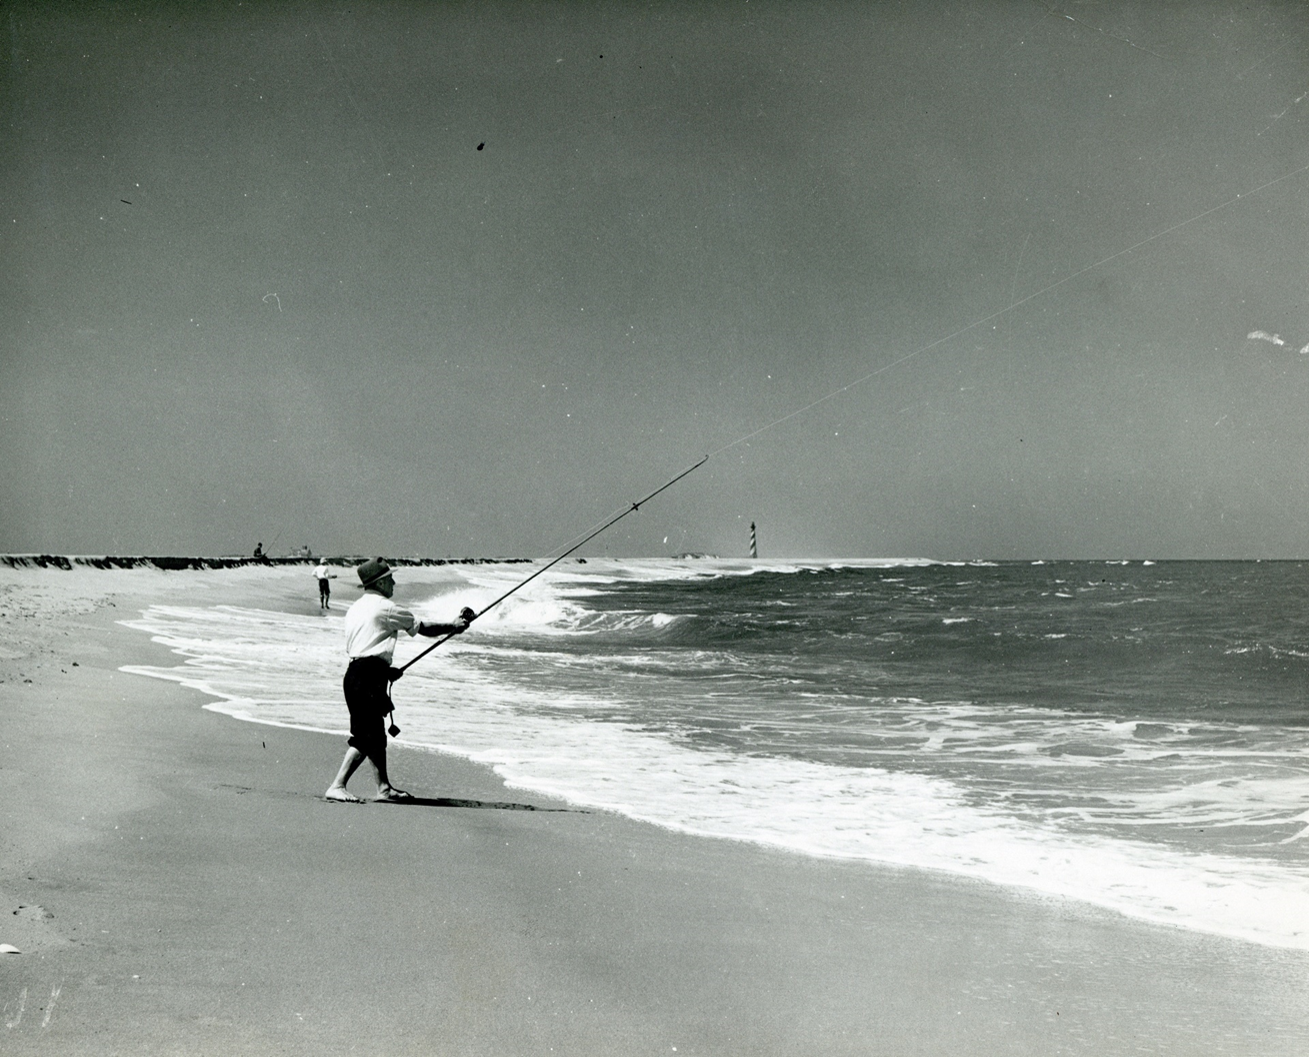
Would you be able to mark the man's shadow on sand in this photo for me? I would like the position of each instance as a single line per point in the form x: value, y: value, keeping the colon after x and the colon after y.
x: 494, y: 805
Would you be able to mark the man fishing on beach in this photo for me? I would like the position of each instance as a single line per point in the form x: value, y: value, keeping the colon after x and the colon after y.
x: 372, y: 625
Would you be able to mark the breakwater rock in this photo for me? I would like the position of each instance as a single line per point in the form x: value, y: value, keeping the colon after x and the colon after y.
x: 69, y: 562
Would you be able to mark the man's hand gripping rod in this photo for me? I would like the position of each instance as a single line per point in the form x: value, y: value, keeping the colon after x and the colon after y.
x: 470, y: 616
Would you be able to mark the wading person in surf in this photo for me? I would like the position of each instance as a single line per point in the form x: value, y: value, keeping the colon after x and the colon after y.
x: 324, y: 587
x: 372, y: 625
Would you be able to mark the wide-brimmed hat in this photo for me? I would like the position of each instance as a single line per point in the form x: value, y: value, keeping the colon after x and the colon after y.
x: 372, y: 570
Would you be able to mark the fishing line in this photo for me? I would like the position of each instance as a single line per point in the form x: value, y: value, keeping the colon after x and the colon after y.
x: 859, y: 381
x: 1008, y: 308
x: 1014, y: 304
x: 327, y: 51
x: 341, y: 77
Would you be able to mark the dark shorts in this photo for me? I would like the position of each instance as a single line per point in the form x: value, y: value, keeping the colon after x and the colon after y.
x: 366, y: 697
x: 324, y: 588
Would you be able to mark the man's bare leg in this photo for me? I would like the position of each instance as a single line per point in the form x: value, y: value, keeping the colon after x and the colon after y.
x: 377, y: 764
x: 337, y: 790
x: 385, y: 791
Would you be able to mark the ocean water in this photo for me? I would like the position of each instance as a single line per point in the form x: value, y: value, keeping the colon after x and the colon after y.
x: 1129, y: 734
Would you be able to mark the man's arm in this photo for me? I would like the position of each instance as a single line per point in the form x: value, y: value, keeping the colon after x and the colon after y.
x: 433, y: 630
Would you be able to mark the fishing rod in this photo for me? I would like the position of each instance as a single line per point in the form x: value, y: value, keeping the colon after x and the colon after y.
x: 471, y: 615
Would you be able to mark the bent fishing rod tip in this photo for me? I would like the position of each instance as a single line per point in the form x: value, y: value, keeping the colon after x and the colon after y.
x: 468, y: 613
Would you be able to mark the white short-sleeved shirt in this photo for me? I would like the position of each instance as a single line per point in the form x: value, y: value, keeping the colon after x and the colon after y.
x: 372, y: 624
x: 321, y: 571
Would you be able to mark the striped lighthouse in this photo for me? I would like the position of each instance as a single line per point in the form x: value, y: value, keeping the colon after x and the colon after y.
x: 754, y: 546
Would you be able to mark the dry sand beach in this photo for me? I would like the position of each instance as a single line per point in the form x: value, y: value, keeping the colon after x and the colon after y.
x: 176, y: 885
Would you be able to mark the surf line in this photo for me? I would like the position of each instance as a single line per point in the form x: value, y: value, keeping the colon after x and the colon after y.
x: 1008, y: 308
x: 471, y: 615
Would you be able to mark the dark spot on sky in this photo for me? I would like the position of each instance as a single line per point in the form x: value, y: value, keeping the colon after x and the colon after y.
x: 480, y: 146
x: 125, y: 201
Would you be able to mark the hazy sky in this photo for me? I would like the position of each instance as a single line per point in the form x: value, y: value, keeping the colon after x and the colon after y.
x: 463, y: 279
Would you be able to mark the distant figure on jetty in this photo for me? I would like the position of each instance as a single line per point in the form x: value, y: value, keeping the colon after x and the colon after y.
x: 324, y: 587
x: 259, y: 549
x: 372, y: 625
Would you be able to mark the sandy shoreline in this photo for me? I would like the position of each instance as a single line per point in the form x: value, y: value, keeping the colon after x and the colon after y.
x: 177, y: 886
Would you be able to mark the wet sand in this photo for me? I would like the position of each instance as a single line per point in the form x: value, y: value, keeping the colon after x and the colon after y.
x: 177, y: 885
